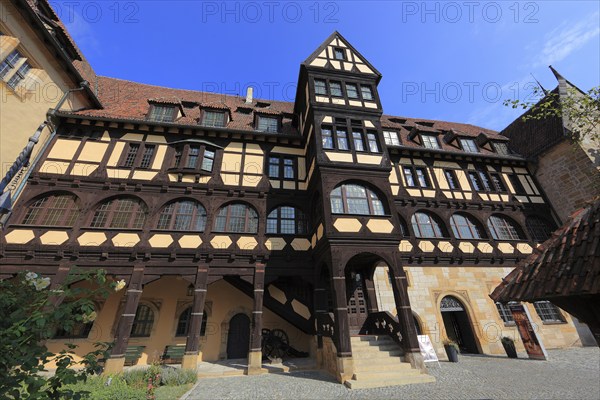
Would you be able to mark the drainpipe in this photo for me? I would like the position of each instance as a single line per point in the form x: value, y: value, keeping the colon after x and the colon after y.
x: 23, y: 158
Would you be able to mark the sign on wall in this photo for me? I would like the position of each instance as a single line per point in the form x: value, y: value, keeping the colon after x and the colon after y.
x: 533, y: 344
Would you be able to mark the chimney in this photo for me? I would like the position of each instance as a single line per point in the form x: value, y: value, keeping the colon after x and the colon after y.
x: 249, y: 94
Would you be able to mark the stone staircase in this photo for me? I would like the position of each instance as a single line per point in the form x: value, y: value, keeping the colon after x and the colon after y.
x: 378, y: 363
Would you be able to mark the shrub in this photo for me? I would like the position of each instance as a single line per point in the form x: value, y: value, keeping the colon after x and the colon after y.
x: 96, y: 389
x: 176, y: 376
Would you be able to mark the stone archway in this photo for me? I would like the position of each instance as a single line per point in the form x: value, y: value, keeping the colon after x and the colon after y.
x: 225, y: 329
x: 458, y: 324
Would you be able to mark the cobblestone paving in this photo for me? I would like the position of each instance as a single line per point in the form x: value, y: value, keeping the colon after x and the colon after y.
x: 569, y: 374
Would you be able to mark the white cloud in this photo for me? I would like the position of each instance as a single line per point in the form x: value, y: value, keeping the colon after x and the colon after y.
x: 567, y: 38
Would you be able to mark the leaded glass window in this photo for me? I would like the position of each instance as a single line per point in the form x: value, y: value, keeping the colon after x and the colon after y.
x: 426, y: 225
x: 502, y: 228
x: 286, y: 220
x: 143, y: 321
x: 548, y: 312
x: 237, y: 218
x: 57, y: 210
x: 120, y: 213
x: 465, y: 227
x: 185, y: 215
x: 355, y: 199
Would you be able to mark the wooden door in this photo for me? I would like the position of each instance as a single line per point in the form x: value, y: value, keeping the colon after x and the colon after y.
x: 238, y: 337
x: 357, y: 303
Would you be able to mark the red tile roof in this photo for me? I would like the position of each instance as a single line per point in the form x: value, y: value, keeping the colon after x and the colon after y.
x: 567, y: 264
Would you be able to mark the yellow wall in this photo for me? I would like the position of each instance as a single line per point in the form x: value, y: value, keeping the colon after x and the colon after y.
x: 471, y: 285
x: 22, y: 112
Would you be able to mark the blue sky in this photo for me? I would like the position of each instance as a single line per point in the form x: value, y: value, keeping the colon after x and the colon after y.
x: 446, y: 60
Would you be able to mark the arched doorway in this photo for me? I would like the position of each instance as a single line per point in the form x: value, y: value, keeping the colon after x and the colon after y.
x: 457, y: 324
x: 238, y: 337
x: 357, y: 302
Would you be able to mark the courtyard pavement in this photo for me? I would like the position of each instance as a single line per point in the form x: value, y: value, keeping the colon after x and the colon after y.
x: 568, y: 374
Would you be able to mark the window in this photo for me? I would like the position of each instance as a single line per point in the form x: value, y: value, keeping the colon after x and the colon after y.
x: 372, y: 140
x: 214, y: 118
x: 501, y: 148
x: 268, y: 124
x: 320, y: 87
x: 352, y: 90
x: 335, y: 88
x: 426, y: 225
x: 548, y: 312
x: 359, y: 145
x: 497, y: 182
x: 189, y: 156
x: 184, y: 323
x: 342, y: 139
x: 430, y: 141
x: 391, y: 138
x: 9, y: 63
x: 465, y: 227
x: 143, y: 321
x: 451, y: 178
x: 477, y: 186
x: 505, y: 313
x: 538, y: 229
x: 355, y: 199
x: 120, y: 213
x: 237, y: 218
x: 339, y: 53
x: 403, y: 226
x: 282, y: 167
x: 147, y: 157
x: 185, y: 215
x: 327, y: 137
x: 14, y: 81
x: 161, y: 113
x: 502, y: 228
x: 286, y: 221
x: 416, y: 177
x: 469, y: 145
x: 58, y: 210
x: 131, y: 155
x: 485, y: 180
x: 366, y: 92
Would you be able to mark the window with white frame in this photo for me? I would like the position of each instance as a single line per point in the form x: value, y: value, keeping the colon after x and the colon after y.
x: 162, y: 113
x: 355, y: 199
x: 391, y: 138
x: 430, y: 141
x: 469, y: 145
x: 268, y: 124
x: 548, y: 312
x: 214, y: 119
x: 505, y: 313
x: 501, y: 148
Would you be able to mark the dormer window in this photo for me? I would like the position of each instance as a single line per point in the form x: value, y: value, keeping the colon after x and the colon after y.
x: 501, y: 148
x: 162, y: 113
x: 320, y: 87
x: 339, y: 54
x: 430, y: 141
x: 391, y: 138
x: 367, y: 93
x: 215, y: 119
x: 268, y: 124
x: 469, y: 145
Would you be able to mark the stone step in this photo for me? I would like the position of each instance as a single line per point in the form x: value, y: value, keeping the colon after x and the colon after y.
x: 383, y: 382
x: 376, y: 353
x: 390, y: 364
x: 370, y: 338
x: 375, y: 347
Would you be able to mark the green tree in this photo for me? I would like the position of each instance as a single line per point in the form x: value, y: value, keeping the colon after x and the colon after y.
x: 30, y: 314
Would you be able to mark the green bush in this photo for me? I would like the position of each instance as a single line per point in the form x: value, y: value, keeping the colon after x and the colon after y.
x: 176, y: 376
x: 136, y: 377
x: 96, y: 389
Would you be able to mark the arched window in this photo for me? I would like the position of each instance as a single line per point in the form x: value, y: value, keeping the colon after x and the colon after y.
x: 123, y: 212
x: 355, y: 199
x: 539, y: 229
x: 403, y: 227
x: 56, y: 209
x: 185, y: 319
x: 503, y: 228
x: 142, y: 324
x: 427, y: 225
x: 184, y: 215
x: 286, y: 221
x: 465, y: 227
x: 237, y: 218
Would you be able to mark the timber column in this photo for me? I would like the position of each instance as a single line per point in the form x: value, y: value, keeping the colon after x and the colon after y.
x: 132, y: 298
x: 255, y: 353
x: 408, y: 330
x: 192, y: 345
x: 345, y: 365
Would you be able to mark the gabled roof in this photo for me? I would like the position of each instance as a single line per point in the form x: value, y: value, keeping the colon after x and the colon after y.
x: 331, y: 39
x: 567, y: 264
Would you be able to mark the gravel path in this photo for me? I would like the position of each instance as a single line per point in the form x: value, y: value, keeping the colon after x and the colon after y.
x: 569, y: 374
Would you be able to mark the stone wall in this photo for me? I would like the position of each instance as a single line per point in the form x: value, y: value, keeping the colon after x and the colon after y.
x: 570, y: 176
x: 471, y: 286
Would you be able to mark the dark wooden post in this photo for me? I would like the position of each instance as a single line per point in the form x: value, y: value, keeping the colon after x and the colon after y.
x: 192, y: 344
x: 132, y: 298
x: 345, y: 365
x: 405, y: 317
x: 59, y: 278
x: 371, y: 294
x: 255, y: 351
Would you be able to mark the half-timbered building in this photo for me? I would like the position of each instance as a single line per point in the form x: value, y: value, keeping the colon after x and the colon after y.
x: 350, y: 230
